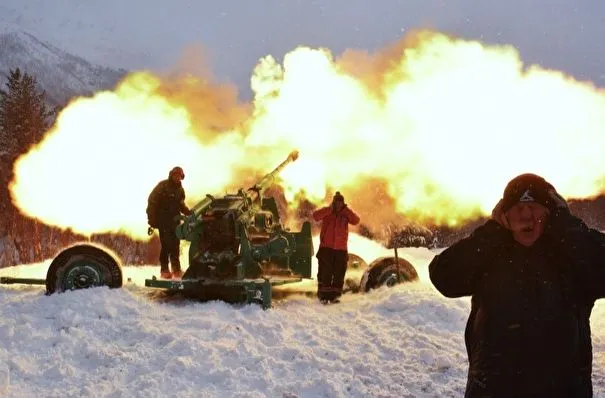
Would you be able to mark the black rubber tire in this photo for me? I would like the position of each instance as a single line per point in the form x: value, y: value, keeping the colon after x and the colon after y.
x: 384, y: 271
x: 82, y: 266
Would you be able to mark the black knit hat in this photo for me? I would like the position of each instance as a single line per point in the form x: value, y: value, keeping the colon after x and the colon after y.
x: 338, y: 196
x: 527, y: 188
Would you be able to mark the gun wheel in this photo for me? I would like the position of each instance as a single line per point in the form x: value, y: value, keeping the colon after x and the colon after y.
x: 385, y: 271
x: 81, y: 267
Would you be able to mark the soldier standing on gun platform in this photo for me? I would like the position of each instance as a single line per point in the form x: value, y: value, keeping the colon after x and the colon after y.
x: 332, y: 255
x: 165, y: 203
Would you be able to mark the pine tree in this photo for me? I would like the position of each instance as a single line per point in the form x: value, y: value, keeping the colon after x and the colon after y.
x: 24, y: 118
x: 24, y: 114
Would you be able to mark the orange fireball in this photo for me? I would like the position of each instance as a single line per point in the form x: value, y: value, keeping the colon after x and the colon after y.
x: 429, y: 130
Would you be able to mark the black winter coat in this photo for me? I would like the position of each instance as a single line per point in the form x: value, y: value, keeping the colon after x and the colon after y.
x: 529, y: 327
x: 165, y: 203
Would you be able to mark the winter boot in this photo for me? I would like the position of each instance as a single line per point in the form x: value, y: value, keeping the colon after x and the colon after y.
x: 165, y: 275
x: 178, y: 274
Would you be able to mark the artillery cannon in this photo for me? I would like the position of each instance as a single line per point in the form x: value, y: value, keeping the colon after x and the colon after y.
x: 238, y: 247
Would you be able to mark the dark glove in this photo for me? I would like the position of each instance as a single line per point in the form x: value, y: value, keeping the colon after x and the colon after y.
x: 498, y: 215
x: 561, y: 218
x: 557, y: 202
x: 152, y: 222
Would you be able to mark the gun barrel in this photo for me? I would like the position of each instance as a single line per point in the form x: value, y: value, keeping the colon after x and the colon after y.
x: 202, y: 205
x: 264, y: 183
x: 268, y: 179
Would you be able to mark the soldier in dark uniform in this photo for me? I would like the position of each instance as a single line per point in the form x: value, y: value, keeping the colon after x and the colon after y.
x: 166, y: 202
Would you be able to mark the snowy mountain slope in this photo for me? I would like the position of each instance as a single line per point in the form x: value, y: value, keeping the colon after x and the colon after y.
x: 405, y: 342
x: 113, y: 33
x: 61, y: 74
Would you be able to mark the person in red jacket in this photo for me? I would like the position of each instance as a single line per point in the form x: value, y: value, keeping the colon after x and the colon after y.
x: 332, y: 255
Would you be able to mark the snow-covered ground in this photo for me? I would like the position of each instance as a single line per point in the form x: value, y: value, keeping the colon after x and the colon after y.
x: 401, y: 342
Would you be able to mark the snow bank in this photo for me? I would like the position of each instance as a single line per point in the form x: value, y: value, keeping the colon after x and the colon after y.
x: 405, y: 341
x: 117, y: 342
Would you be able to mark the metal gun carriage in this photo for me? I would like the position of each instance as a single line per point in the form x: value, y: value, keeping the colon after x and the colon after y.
x: 239, y: 248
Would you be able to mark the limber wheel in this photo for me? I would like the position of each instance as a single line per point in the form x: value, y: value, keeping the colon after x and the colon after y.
x: 83, y: 266
x: 385, y: 271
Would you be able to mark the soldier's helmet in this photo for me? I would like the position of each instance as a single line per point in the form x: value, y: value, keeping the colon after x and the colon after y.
x: 178, y: 171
